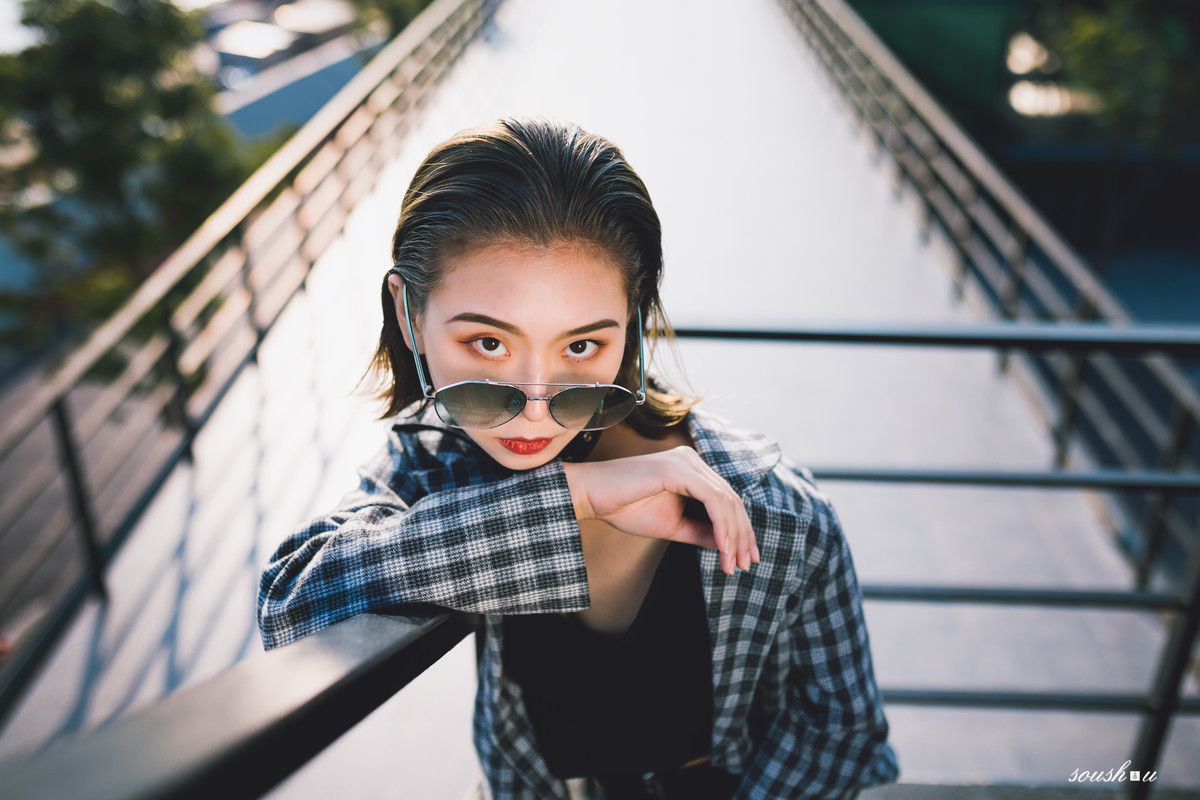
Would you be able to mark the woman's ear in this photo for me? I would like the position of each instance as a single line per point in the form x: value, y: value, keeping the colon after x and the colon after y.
x: 396, y: 286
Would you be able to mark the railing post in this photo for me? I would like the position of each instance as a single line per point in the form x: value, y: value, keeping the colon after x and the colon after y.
x: 1164, y: 695
x: 1069, y: 400
x: 1159, y: 502
x: 963, y: 239
x: 179, y: 398
x: 77, y: 493
x: 1016, y: 257
x: 239, y: 236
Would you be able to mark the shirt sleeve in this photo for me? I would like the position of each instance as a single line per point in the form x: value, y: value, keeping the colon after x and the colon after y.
x: 831, y: 741
x: 508, y: 546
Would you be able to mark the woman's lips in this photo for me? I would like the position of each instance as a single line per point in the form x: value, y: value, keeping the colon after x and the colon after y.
x: 526, y: 447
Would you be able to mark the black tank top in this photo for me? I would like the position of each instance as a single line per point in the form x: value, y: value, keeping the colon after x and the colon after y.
x: 605, y: 704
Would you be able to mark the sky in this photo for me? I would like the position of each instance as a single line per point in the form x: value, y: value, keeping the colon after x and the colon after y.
x: 13, y: 37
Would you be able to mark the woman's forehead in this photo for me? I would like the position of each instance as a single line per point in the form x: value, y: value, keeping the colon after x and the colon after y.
x: 520, y: 281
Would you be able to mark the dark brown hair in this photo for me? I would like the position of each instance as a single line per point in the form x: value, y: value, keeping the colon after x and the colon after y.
x: 536, y: 181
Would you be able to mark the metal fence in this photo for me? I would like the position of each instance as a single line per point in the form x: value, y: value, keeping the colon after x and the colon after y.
x: 1124, y: 413
x: 95, y: 443
x: 242, y: 732
x: 82, y: 457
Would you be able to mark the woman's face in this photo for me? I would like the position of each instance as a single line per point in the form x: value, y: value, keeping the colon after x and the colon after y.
x: 514, y: 312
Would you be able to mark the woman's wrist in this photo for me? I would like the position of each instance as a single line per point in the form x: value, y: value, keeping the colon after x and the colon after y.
x: 575, y: 483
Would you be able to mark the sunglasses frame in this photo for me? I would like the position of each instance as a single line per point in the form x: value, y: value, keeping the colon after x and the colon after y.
x: 429, y: 393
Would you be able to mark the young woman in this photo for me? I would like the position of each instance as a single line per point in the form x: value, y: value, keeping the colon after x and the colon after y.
x: 670, y: 607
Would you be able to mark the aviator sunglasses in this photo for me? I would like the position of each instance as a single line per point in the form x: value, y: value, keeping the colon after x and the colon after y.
x: 479, y: 405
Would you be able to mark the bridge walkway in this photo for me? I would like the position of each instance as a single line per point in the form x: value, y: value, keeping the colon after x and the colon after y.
x: 775, y: 214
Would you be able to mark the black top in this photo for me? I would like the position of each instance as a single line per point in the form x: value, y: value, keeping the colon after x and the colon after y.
x: 603, y: 704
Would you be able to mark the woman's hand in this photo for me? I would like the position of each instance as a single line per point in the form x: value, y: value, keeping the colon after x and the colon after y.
x: 647, y: 495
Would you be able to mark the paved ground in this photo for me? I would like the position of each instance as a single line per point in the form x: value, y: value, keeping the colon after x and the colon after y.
x: 774, y: 214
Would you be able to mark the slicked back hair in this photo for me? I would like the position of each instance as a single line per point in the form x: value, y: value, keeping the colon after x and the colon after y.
x: 528, y: 181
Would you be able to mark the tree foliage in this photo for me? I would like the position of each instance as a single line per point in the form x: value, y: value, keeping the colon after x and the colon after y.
x: 396, y: 14
x: 113, y: 152
x: 1141, y: 58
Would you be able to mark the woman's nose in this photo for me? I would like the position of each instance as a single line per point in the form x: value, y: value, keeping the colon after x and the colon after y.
x: 536, y: 410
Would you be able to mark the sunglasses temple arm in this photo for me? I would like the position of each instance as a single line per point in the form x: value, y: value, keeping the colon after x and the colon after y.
x: 641, y: 395
x: 426, y: 387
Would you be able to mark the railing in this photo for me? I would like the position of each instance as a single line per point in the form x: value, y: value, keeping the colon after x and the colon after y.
x: 1120, y: 413
x: 85, y: 454
x: 197, y: 742
x: 1077, y: 340
x: 181, y: 341
x: 242, y: 732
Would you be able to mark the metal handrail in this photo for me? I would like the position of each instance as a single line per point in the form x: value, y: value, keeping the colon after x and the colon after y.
x: 1025, y: 269
x: 1182, y: 341
x: 201, y: 764
x: 185, y: 335
x: 1125, y: 414
x: 242, y: 732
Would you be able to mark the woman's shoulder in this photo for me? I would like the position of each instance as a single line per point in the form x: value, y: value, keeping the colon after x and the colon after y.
x: 756, y: 468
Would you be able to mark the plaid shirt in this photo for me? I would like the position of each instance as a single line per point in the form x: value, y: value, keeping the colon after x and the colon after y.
x: 435, y: 520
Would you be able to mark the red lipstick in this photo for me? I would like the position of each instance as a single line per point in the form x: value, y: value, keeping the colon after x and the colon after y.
x: 526, y: 447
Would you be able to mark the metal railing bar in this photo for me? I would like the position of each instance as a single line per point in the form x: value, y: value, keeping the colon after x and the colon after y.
x: 1114, y: 437
x: 101, y: 409
x: 966, y: 150
x: 21, y: 667
x: 1133, y: 397
x: 216, y: 281
x: 1060, y: 598
x: 266, y: 263
x: 1165, y: 694
x: 230, y: 318
x: 80, y: 499
x: 36, y: 480
x: 1177, y: 340
x: 275, y: 712
x: 1129, y: 480
x: 202, y: 405
x: 1047, y: 294
x: 132, y: 437
x: 22, y: 664
x: 313, y: 174
x: 1034, y: 701
x: 57, y: 528
x: 264, y: 225
x: 273, y: 297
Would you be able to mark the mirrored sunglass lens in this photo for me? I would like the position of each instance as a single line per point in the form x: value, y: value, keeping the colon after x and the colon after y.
x: 478, y: 405
x: 589, y: 408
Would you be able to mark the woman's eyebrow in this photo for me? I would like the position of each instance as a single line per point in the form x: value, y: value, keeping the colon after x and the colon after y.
x: 595, y: 326
x: 484, y: 319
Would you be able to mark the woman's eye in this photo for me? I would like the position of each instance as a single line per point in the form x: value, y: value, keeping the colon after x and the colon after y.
x: 491, y: 346
x: 583, y: 348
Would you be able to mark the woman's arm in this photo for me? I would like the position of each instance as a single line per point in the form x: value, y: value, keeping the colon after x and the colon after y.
x: 831, y: 739
x: 509, y: 546
x: 502, y: 547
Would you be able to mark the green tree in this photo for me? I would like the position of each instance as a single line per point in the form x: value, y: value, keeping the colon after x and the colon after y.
x: 395, y: 14
x: 113, y: 153
x: 1142, y: 60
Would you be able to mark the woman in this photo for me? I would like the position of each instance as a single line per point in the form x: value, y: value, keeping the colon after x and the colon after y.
x: 670, y: 607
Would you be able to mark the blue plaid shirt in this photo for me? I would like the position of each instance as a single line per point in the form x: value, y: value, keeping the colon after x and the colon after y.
x: 435, y: 520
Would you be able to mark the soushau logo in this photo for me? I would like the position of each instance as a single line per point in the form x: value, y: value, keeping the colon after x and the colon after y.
x: 1113, y: 775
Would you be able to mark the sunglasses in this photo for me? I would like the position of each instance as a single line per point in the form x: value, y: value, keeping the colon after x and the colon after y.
x: 479, y: 405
